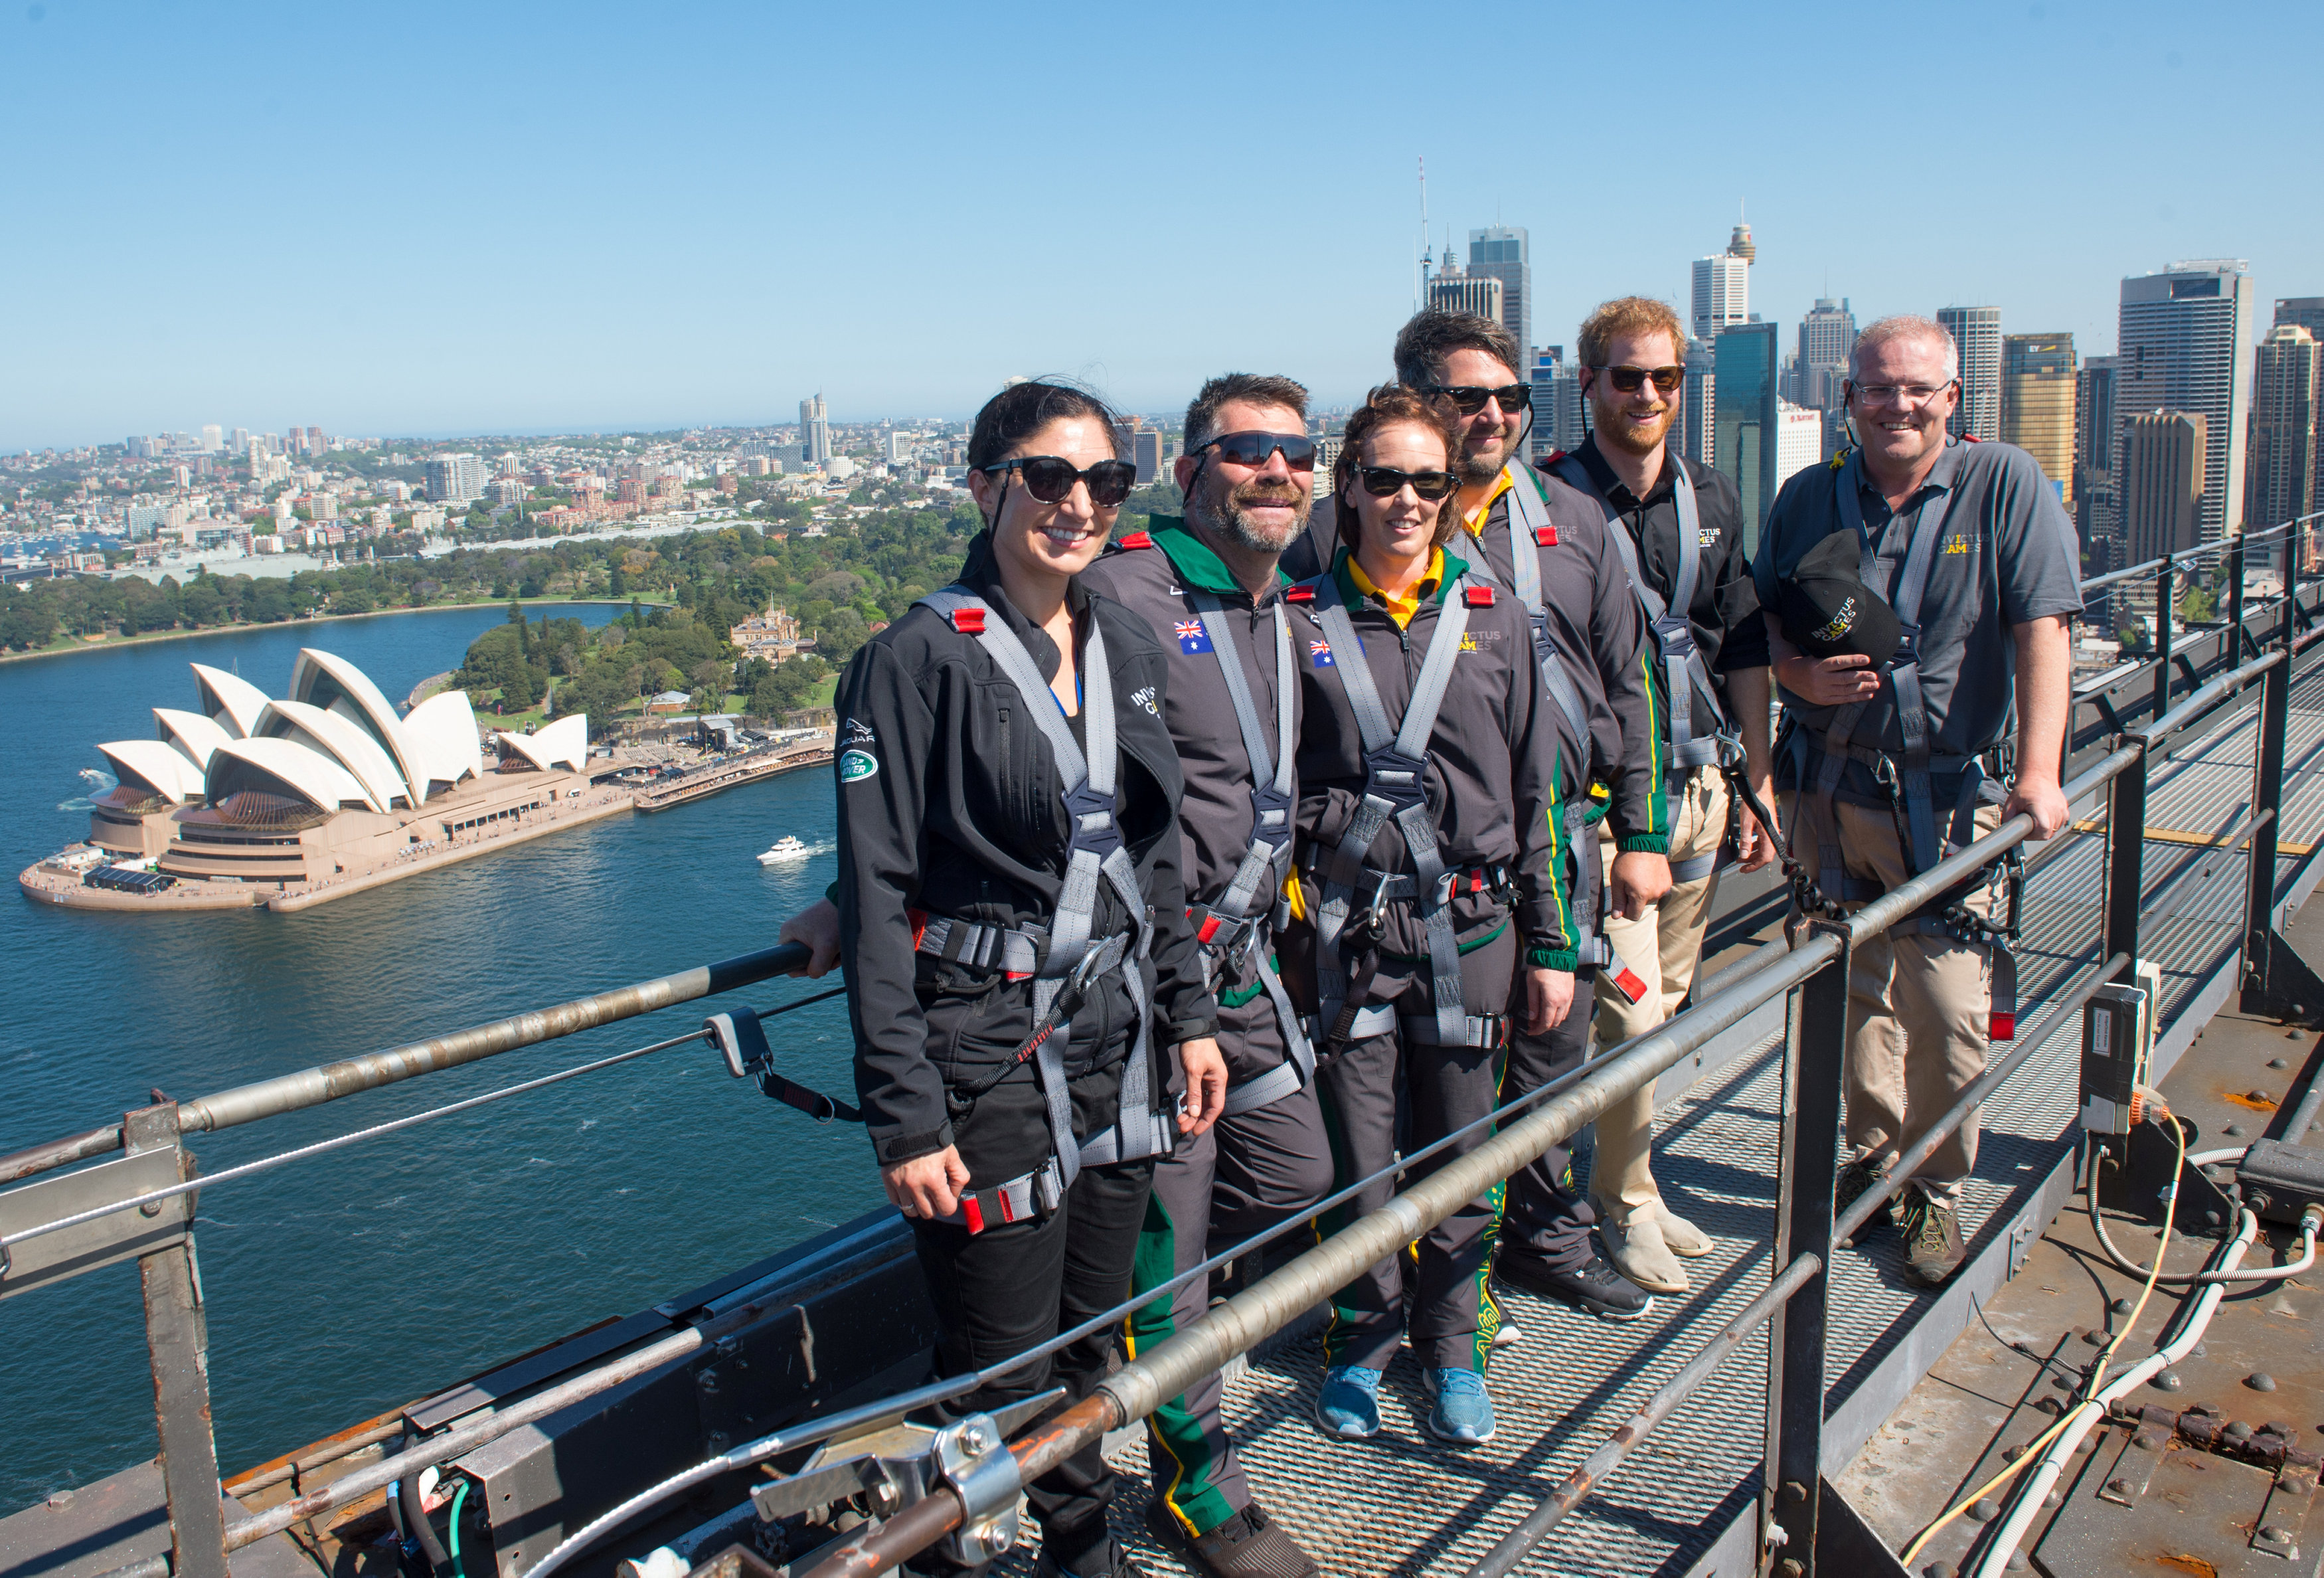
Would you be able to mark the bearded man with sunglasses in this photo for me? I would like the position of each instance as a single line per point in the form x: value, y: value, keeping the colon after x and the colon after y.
x: 1209, y: 585
x: 1678, y: 528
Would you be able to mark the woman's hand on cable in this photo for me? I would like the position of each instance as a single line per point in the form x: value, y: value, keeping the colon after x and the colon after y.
x: 926, y: 1187
x: 1829, y: 681
x: 1206, y: 1069
x: 1549, y: 998
x: 817, y: 925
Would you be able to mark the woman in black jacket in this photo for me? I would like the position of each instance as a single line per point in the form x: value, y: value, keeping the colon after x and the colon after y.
x: 1014, y: 927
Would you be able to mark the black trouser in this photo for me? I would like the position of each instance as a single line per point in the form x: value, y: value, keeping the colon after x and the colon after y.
x: 1543, y: 1216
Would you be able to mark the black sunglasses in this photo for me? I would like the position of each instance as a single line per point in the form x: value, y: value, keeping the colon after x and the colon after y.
x: 1383, y: 482
x: 1254, y: 449
x: 1628, y: 380
x: 1049, y: 479
x: 1469, y: 399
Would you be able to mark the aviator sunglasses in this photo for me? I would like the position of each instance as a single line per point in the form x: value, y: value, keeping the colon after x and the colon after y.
x: 1049, y: 479
x: 1254, y: 449
x: 1469, y: 399
x: 1628, y: 380
x: 1384, y: 482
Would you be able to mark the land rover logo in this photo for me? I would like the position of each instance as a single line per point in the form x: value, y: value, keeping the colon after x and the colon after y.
x: 857, y: 764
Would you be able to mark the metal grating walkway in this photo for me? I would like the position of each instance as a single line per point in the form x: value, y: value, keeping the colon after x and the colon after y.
x: 1404, y: 1504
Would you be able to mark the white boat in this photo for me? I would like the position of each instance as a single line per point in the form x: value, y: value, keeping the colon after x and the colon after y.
x: 783, y: 849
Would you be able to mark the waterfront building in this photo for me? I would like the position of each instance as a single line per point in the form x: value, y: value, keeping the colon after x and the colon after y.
x: 2182, y: 346
x: 1501, y: 252
x: 1977, y: 334
x: 2037, y: 403
x: 2280, y: 481
x: 2163, y: 463
x: 1750, y: 426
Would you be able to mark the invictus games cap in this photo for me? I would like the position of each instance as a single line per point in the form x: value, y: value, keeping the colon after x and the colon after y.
x: 1826, y: 609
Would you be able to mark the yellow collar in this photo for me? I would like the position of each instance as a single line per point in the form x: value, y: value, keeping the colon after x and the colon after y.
x: 1475, y: 522
x: 1401, y: 605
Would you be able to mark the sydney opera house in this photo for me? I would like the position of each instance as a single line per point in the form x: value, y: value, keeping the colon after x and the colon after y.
x: 245, y: 798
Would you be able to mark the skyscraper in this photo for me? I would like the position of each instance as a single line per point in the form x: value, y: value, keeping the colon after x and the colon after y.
x: 457, y: 478
x: 1799, y: 442
x: 1977, y: 330
x: 815, y: 431
x: 2097, y: 438
x: 1723, y: 294
x: 2307, y: 311
x: 1749, y: 427
x: 1698, y: 416
x: 1500, y: 252
x: 2037, y: 403
x: 1453, y: 289
x: 1827, y: 334
x: 2163, y: 470
x: 1541, y: 439
x: 2280, y: 484
x: 2181, y: 346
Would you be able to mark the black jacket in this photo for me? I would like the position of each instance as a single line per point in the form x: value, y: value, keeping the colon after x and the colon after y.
x: 950, y: 805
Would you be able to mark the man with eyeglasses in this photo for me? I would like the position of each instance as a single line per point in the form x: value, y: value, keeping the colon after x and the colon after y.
x: 1591, y: 646
x: 1897, y: 761
x: 1210, y: 587
x: 1678, y: 528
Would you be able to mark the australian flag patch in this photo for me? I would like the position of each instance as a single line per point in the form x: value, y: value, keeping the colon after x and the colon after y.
x: 1192, y: 637
x: 1319, y: 654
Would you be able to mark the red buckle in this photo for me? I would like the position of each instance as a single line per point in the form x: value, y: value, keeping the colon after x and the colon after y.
x: 1546, y: 535
x: 2004, y: 1028
x: 1479, y: 597
x: 975, y: 1212
x: 1627, y: 983
x: 968, y: 620
x: 1208, y: 929
x: 1300, y: 594
x: 1134, y: 540
x: 1476, y: 882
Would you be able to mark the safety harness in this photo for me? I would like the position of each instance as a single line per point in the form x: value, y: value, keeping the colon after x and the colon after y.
x: 1684, y: 673
x: 1910, y: 783
x: 1241, y: 923
x: 1063, y: 959
x: 1531, y: 531
x: 1396, y: 767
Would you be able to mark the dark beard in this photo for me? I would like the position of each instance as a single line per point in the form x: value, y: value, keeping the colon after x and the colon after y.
x: 1475, y: 471
x: 1227, y: 518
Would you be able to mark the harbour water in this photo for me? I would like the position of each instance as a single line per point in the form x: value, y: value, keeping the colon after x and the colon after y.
x: 340, y: 1287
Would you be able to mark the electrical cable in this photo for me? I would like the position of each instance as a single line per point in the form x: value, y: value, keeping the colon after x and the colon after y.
x: 2098, y: 1369
x: 2200, y: 1278
x: 459, y: 1497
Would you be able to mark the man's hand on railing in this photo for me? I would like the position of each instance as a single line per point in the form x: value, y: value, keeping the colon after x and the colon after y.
x: 1828, y: 681
x: 2039, y: 798
x: 1549, y: 998
x: 926, y: 1187
x: 817, y: 925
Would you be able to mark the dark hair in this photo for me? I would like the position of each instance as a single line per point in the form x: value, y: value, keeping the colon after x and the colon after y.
x: 1428, y: 340
x: 1256, y: 388
x: 1386, y: 406
x: 1023, y: 409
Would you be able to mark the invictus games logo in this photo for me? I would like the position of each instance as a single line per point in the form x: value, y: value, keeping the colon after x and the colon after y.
x: 855, y: 764
x: 1841, y: 624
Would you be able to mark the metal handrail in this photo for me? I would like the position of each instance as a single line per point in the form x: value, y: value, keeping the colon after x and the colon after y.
x: 2225, y: 545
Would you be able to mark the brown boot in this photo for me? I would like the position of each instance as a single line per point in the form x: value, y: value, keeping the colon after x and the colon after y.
x: 1248, y: 1545
x: 1933, y: 1250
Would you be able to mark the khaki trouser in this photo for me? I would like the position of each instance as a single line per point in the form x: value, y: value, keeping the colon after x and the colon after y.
x: 1917, y: 1007
x: 1662, y: 947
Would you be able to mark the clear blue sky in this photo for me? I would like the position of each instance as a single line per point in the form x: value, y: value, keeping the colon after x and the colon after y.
x: 419, y: 219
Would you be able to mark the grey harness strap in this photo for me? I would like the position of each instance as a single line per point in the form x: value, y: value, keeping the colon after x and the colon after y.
x: 1095, y: 853
x: 1530, y: 527
x: 1396, y: 788
x: 1686, y: 678
x: 1258, y: 878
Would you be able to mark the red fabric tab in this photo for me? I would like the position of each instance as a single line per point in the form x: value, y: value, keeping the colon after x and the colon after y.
x: 1017, y: 974
x: 1627, y: 983
x: 1007, y: 1212
x: 2004, y: 1028
x: 1546, y: 535
x: 975, y: 1212
x: 1300, y: 594
x: 919, y: 919
x: 1209, y: 928
x: 1548, y: 460
x: 968, y: 620
x: 1479, y: 597
x: 1134, y: 540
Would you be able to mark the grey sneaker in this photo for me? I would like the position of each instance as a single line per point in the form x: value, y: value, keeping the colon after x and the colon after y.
x: 1934, y: 1250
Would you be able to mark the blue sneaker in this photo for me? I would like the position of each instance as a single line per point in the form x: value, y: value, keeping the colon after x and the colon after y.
x: 1349, y: 1403
x: 1463, y: 1414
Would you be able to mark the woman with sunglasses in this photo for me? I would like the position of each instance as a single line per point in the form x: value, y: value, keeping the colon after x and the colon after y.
x: 1429, y: 777
x: 1013, y: 929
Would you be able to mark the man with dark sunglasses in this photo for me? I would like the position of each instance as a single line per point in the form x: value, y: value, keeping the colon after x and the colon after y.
x: 1209, y: 585
x: 1678, y: 528
x: 1591, y: 644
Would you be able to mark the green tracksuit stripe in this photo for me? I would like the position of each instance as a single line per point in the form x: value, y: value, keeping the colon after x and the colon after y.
x: 1171, y: 1430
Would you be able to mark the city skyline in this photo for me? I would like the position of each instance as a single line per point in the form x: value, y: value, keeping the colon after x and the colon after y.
x: 184, y: 263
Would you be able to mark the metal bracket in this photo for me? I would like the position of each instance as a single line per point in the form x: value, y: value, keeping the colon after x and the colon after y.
x: 2023, y: 1234
x: 2277, y: 984
x: 976, y: 1461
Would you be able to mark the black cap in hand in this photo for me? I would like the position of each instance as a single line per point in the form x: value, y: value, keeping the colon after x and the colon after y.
x: 1826, y: 609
